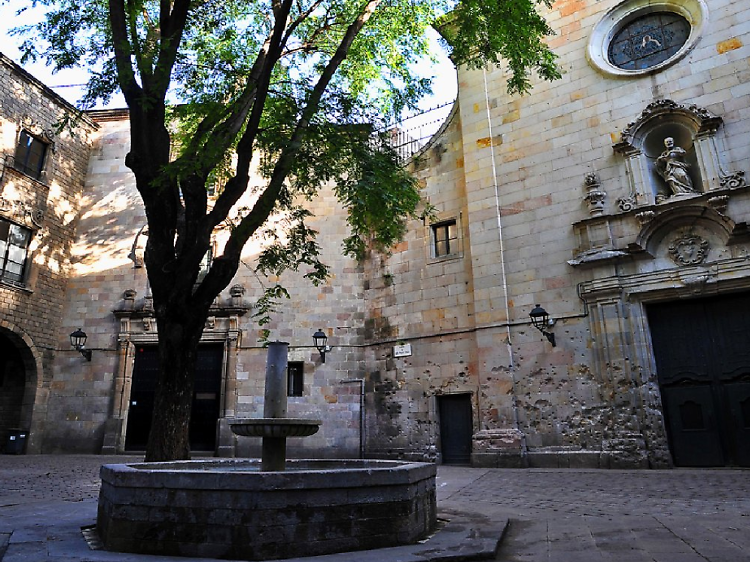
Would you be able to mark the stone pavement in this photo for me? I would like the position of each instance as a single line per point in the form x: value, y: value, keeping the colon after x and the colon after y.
x: 541, y: 515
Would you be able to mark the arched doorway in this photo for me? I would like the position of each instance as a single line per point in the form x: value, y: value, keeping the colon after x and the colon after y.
x: 12, y: 387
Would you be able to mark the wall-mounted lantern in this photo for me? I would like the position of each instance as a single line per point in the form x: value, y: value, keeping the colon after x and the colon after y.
x: 320, y: 340
x: 78, y: 341
x: 540, y: 320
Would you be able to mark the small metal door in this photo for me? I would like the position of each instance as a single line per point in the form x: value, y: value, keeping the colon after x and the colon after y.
x: 456, y: 428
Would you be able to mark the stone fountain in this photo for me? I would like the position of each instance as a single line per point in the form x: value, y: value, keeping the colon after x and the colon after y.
x: 249, y: 510
x: 275, y: 427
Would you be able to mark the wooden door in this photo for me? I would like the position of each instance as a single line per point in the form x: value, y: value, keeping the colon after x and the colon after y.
x: 206, y: 397
x: 456, y: 428
x: 702, y: 352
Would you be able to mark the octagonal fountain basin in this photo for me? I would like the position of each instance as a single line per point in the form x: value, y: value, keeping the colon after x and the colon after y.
x: 230, y: 509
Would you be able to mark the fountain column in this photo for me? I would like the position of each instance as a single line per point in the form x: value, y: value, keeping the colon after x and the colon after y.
x: 273, y: 457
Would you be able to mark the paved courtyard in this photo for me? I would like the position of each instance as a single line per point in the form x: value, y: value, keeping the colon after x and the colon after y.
x: 542, y: 515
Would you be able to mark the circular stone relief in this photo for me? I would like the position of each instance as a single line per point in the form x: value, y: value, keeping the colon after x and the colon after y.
x: 642, y: 36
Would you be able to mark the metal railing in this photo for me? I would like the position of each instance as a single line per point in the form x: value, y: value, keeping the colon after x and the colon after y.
x: 411, y: 133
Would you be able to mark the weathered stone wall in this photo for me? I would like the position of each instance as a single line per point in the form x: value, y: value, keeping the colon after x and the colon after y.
x: 31, y: 312
x: 593, y: 400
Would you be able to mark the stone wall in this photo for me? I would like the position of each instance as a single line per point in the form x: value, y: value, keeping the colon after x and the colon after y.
x: 543, y: 190
x: 108, y: 297
x: 31, y: 310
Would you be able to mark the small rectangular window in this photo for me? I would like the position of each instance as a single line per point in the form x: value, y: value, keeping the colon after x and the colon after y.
x: 445, y: 237
x: 294, y: 370
x: 14, y: 244
x: 30, y: 154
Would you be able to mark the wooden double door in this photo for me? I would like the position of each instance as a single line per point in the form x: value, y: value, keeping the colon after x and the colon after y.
x: 702, y: 352
x: 206, y: 397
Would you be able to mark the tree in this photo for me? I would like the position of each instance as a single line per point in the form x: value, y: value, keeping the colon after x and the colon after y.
x: 302, y: 83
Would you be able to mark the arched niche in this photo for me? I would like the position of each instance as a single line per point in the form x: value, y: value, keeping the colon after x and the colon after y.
x: 693, y: 129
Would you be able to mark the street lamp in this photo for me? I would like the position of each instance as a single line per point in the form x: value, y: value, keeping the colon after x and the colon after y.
x: 78, y: 340
x: 320, y: 340
x: 540, y: 320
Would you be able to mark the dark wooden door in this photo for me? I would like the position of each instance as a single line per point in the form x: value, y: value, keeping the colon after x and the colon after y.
x: 702, y: 351
x: 456, y: 428
x: 206, y: 398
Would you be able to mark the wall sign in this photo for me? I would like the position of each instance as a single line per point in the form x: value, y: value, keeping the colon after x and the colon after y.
x: 402, y: 350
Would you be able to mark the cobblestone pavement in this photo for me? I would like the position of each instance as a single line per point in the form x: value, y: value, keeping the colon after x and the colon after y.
x: 554, y: 515
x: 596, y: 515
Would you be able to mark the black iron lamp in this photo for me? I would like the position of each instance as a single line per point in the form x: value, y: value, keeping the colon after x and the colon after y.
x: 78, y: 341
x: 320, y: 340
x: 540, y: 320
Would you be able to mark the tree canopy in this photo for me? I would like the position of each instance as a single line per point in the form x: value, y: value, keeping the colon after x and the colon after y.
x: 303, y: 85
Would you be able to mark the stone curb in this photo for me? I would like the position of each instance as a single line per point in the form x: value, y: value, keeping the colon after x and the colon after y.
x: 462, y: 537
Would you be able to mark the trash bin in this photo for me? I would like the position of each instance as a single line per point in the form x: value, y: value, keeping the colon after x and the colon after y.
x: 16, y: 443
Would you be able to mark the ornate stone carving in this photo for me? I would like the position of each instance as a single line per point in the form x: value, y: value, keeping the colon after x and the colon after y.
x: 708, y: 122
x: 210, y: 322
x: 129, y: 298
x: 645, y: 217
x: 689, y: 249
x: 626, y: 204
x: 719, y: 203
x: 21, y: 212
x: 732, y: 180
x: 594, y: 196
x: 672, y: 167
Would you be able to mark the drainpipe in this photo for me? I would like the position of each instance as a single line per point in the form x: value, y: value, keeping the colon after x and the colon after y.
x: 361, y: 413
x: 514, y: 399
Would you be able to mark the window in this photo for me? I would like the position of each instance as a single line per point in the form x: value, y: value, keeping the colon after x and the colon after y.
x: 648, y: 40
x: 294, y: 373
x: 445, y: 238
x: 14, y: 243
x: 639, y: 37
x: 30, y: 154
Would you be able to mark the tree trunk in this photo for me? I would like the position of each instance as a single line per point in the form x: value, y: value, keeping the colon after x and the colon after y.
x: 169, y: 438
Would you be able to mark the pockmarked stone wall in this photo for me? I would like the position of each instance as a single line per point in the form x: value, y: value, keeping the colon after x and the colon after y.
x: 560, y: 203
x: 560, y: 197
x: 47, y: 207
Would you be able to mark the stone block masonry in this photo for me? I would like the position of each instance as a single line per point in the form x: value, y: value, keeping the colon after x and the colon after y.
x: 227, y: 509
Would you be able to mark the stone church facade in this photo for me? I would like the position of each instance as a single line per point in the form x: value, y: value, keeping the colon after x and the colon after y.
x: 615, y: 198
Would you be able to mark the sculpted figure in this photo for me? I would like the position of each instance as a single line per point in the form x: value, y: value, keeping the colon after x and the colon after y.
x: 672, y: 167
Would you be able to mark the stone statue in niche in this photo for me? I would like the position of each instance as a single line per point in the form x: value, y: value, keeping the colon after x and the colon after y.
x: 672, y: 167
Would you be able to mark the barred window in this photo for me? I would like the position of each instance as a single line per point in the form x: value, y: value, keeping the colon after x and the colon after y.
x: 14, y: 244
